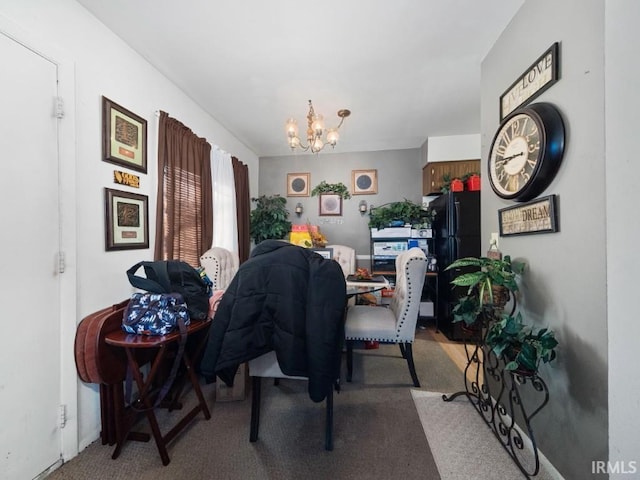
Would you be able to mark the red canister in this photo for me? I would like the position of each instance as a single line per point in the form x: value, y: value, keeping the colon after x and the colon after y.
x: 457, y: 185
x: 473, y: 183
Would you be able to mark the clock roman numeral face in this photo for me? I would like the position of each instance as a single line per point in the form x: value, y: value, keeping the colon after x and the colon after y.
x: 514, y: 155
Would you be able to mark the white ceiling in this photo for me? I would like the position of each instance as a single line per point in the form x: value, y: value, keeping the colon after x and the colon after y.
x: 407, y: 69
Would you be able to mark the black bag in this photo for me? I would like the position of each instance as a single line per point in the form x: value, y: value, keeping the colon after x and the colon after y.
x: 174, y: 276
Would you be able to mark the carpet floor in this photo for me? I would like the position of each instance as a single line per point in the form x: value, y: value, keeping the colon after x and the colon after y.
x: 462, y: 444
x: 378, y: 432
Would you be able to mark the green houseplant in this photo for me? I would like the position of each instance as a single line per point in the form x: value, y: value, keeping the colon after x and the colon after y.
x: 337, y: 188
x: 269, y: 219
x: 489, y: 284
x: 521, y: 347
x: 399, y: 214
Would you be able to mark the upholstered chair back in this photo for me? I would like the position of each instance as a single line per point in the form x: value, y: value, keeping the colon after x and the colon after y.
x: 221, y: 266
x: 346, y: 257
x: 411, y: 266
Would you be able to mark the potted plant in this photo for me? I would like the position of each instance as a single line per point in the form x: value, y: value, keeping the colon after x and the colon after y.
x: 397, y: 214
x: 522, y: 348
x: 336, y: 188
x: 489, y: 286
x: 269, y: 219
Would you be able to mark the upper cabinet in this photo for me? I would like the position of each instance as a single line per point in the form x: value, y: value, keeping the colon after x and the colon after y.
x: 433, y: 173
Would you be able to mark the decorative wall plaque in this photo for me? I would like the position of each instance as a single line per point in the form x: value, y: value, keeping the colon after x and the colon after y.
x: 537, y: 216
x: 538, y: 77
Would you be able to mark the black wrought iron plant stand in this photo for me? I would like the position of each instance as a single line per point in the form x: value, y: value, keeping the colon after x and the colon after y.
x: 499, y: 401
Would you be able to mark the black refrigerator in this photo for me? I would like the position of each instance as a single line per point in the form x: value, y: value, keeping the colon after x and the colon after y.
x: 457, y: 234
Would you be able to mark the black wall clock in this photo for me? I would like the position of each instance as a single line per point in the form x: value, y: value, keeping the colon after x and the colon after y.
x: 526, y: 152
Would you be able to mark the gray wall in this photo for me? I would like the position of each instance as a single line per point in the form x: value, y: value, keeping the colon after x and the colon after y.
x: 565, y: 286
x: 622, y: 102
x: 399, y: 177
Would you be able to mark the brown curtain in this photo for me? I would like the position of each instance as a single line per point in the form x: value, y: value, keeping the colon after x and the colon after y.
x: 243, y: 207
x: 184, y: 218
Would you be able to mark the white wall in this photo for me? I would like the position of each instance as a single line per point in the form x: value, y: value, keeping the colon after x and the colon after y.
x: 453, y: 147
x: 104, y: 65
x: 622, y: 38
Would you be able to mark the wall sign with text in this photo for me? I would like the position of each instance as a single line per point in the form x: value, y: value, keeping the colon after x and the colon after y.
x: 535, y: 80
x: 537, y: 216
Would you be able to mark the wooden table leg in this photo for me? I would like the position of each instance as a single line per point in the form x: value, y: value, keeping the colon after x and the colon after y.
x: 147, y: 398
x: 107, y: 434
x: 147, y: 406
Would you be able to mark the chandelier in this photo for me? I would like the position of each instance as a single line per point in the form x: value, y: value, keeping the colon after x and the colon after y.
x: 315, y: 130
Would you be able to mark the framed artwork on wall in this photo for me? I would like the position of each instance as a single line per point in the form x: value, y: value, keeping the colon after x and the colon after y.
x: 124, y: 137
x: 330, y: 205
x: 325, y: 252
x: 364, y: 182
x: 126, y: 220
x: 298, y: 184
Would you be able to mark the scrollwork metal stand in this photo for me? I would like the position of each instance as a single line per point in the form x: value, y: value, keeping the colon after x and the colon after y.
x: 501, y: 412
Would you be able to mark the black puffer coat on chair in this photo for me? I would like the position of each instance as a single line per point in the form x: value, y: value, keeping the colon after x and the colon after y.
x: 284, y: 298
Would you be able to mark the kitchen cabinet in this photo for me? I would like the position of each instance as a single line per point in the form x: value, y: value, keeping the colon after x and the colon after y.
x: 433, y: 172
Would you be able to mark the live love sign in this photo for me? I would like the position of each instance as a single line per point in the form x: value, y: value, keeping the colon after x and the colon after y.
x: 535, y: 80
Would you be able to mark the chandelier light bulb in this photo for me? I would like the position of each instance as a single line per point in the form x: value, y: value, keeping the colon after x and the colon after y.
x: 333, y: 136
x: 291, y: 127
x: 318, y: 144
x: 294, y: 142
x: 318, y: 125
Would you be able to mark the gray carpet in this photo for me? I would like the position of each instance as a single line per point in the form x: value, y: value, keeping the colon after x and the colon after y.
x: 463, y: 445
x: 377, y: 430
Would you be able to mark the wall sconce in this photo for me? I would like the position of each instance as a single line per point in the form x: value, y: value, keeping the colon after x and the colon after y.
x: 299, y: 209
x: 362, y: 207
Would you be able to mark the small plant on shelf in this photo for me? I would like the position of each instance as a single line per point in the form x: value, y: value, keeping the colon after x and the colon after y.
x: 490, y: 285
x: 336, y: 188
x: 398, y: 214
x: 522, y: 348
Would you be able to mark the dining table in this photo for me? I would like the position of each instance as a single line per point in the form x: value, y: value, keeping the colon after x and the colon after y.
x: 361, y: 285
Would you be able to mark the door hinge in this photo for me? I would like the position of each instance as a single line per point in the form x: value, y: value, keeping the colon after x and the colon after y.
x: 61, y: 263
x: 59, y: 108
x: 62, y: 416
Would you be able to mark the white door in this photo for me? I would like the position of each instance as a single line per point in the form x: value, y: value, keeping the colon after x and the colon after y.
x: 30, y: 355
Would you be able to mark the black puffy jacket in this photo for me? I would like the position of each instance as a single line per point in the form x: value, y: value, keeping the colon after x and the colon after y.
x: 284, y: 298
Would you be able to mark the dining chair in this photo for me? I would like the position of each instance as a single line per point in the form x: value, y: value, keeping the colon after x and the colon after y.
x: 220, y: 265
x: 284, y: 311
x: 397, y: 322
x: 346, y: 257
x: 266, y: 366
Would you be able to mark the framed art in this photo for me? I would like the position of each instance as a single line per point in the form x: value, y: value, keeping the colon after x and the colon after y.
x: 325, y: 252
x: 126, y: 220
x: 543, y: 73
x: 537, y: 216
x: 124, y: 137
x: 330, y: 204
x: 298, y: 184
x: 364, y: 182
